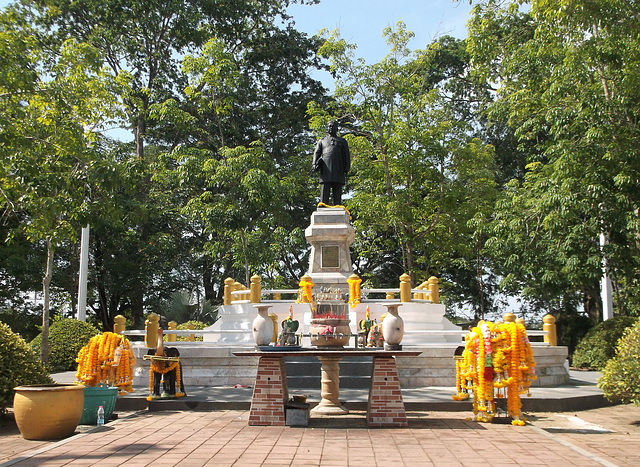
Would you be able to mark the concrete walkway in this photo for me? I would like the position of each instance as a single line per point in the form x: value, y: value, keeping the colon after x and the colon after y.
x: 606, y: 436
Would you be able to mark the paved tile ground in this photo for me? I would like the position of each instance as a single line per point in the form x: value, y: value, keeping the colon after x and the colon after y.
x: 607, y: 436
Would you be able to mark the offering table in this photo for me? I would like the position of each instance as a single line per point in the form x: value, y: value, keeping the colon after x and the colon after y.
x: 385, y: 407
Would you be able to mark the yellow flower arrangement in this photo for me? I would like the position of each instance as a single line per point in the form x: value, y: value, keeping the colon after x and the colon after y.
x: 108, y: 359
x: 354, y: 291
x: 305, y: 291
x: 497, y: 362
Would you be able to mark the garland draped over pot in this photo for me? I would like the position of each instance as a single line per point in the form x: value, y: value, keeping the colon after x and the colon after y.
x: 108, y: 359
x: 497, y: 363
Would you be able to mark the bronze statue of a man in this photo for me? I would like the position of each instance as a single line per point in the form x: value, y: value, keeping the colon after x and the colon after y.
x: 333, y: 160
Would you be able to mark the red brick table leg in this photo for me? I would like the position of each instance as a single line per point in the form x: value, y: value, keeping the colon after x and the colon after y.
x: 385, y: 407
x: 269, y: 393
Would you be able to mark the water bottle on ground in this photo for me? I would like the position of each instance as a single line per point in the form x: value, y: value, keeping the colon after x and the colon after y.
x: 100, y: 416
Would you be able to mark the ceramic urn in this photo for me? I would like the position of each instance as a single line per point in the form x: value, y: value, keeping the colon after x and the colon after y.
x: 393, y: 325
x: 262, y: 326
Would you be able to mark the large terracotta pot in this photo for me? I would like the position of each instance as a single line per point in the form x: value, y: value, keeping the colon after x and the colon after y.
x: 48, y: 411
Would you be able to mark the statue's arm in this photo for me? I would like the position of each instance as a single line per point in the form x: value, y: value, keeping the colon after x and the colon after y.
x: 317, y: 156
x: 347, y: 158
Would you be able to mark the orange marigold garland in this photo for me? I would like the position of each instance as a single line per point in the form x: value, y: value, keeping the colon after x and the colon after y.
x: 497, y: 362
x: 354, y: 291
x: 108, y: 359
x: 164, y: 367
x: 305, y: 291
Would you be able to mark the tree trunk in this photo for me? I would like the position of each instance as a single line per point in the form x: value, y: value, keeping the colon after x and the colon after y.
x: 46, y: 282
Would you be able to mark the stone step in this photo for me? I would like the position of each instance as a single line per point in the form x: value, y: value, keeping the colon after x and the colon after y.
x: 215, y: 365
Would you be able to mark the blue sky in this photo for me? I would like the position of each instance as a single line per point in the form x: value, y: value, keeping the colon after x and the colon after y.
x: 361, y: 21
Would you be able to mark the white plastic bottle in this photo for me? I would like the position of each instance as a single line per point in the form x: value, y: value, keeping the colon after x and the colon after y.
x: 100, y: 416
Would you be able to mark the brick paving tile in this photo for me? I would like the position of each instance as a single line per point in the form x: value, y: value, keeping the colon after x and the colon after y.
x: 438, y: 439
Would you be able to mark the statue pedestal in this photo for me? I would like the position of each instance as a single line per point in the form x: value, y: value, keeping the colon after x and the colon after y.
x: 330, y: 236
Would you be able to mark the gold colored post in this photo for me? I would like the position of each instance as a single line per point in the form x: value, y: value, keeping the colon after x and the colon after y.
x: 119, y: 324
x: 255, y: 289
x: 390, y: 296
x: 190, y: 337
x: 228, y: 288
x: 550, y: 326
x: 509, y: 317
x: 274, y: 318
x: 405, y: 288
x: 151, y: 326
x: 434, y: 288
x: 172, y: 327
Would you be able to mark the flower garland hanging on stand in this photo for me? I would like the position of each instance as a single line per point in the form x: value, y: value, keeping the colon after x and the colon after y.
x: 497, y: 362
x: 108, y: 359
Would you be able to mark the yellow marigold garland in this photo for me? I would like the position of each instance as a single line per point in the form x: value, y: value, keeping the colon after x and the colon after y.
x: 324, y: 205
x: 163, y: 368
x: 497, y: 362
x: 305, y: 291
x: 354, y: 291
x: 108, y: 359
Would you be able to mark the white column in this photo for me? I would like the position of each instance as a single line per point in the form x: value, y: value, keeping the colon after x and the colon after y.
x: 606, y: 291
x: 84, y: 270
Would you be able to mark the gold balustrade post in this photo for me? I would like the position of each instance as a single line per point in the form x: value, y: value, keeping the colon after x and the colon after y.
x: 151, y: 326
x: 405, y: 288
x: 434, y: 288
x: 172, y: 325
x: 255, y: 289
x: 119, y: 324
x: 228, y: 288
x: 549, y: 325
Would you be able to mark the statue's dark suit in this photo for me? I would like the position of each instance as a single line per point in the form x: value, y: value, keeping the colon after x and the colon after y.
x: 333, y: 160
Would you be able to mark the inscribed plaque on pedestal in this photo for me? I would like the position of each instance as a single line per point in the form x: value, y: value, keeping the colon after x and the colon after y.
x: 330, y: 256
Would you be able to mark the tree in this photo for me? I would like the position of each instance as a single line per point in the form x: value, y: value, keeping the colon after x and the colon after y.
x: 419, y: 175
x: 566, y: 74
x: 50, y: 107
x: 146, y: 42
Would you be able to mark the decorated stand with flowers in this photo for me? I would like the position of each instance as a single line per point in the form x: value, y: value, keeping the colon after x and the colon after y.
x: 165, y: 372
x: 105, y: 367
x: 497, y: 363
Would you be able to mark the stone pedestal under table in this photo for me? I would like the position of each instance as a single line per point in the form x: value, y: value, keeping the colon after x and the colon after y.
x: 385, y: 407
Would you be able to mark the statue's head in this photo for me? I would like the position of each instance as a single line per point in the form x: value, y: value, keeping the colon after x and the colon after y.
x: 332, y: 127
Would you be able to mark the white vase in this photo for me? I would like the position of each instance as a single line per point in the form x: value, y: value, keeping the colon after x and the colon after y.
x: 262, y: 326
x: 393, y: 325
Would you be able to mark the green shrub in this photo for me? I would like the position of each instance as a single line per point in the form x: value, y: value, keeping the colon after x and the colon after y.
x: 599, y: 345
x: 66, y: 338
x: 196, y: 325
x: 620, y: 381
x: 19, y: 365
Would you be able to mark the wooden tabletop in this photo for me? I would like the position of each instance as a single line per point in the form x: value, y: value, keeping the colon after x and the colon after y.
x: 312, y: 352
